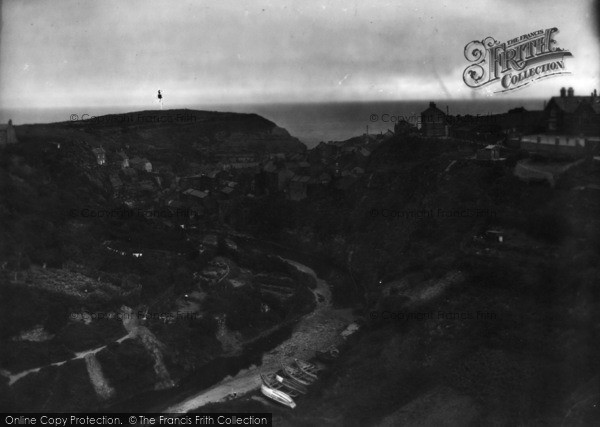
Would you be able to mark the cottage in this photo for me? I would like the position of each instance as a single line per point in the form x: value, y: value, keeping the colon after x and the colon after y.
x: 227, y: 192
x: 123, y: 159
x: 433, y: 122
x: 196, y: 196
x: 276, y: 176
x: 196, y: 193
x: 100, y: 155
x: 141, y: 164
x: 403, y: 127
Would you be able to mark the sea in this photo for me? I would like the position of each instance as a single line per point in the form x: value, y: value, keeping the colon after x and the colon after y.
x: 309, y: 122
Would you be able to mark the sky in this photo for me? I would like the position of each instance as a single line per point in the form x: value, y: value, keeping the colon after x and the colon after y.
x: 68, y: 53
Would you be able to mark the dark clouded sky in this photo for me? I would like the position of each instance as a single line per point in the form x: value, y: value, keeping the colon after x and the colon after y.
x: 79, y: 52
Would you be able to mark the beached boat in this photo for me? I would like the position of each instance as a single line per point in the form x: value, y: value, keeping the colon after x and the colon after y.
x: 278, y: 396
x: 308, y: 368
x: 297, y: 382
x: 328, y: 356
x: 291, y: 384
x: 271, y: 381
x: 297, y: 375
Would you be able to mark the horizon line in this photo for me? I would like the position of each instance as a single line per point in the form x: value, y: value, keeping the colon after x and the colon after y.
x: 305, y: 102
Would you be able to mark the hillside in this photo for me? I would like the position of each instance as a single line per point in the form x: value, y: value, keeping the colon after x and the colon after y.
x: 169, y: 130
x: 460, y: 326
x: 96, y: 309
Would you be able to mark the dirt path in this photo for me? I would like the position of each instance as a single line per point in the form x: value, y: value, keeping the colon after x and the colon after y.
x: 317, y: 330
x: 13, y: 378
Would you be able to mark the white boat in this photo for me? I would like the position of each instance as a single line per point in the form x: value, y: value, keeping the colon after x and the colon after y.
x: 271, y: 381
x: 278, y: 396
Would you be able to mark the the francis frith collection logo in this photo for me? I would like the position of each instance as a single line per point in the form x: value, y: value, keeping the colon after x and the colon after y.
x: 516, y: 63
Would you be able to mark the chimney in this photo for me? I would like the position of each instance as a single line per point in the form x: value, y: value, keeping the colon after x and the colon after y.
x: 432, y: 104
x: 563, y: 92
x: 570, y: 92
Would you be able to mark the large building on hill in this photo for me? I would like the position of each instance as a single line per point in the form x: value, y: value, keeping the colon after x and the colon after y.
x: 568, y: 114
x: 433, y: 121
x: 8, y: 134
